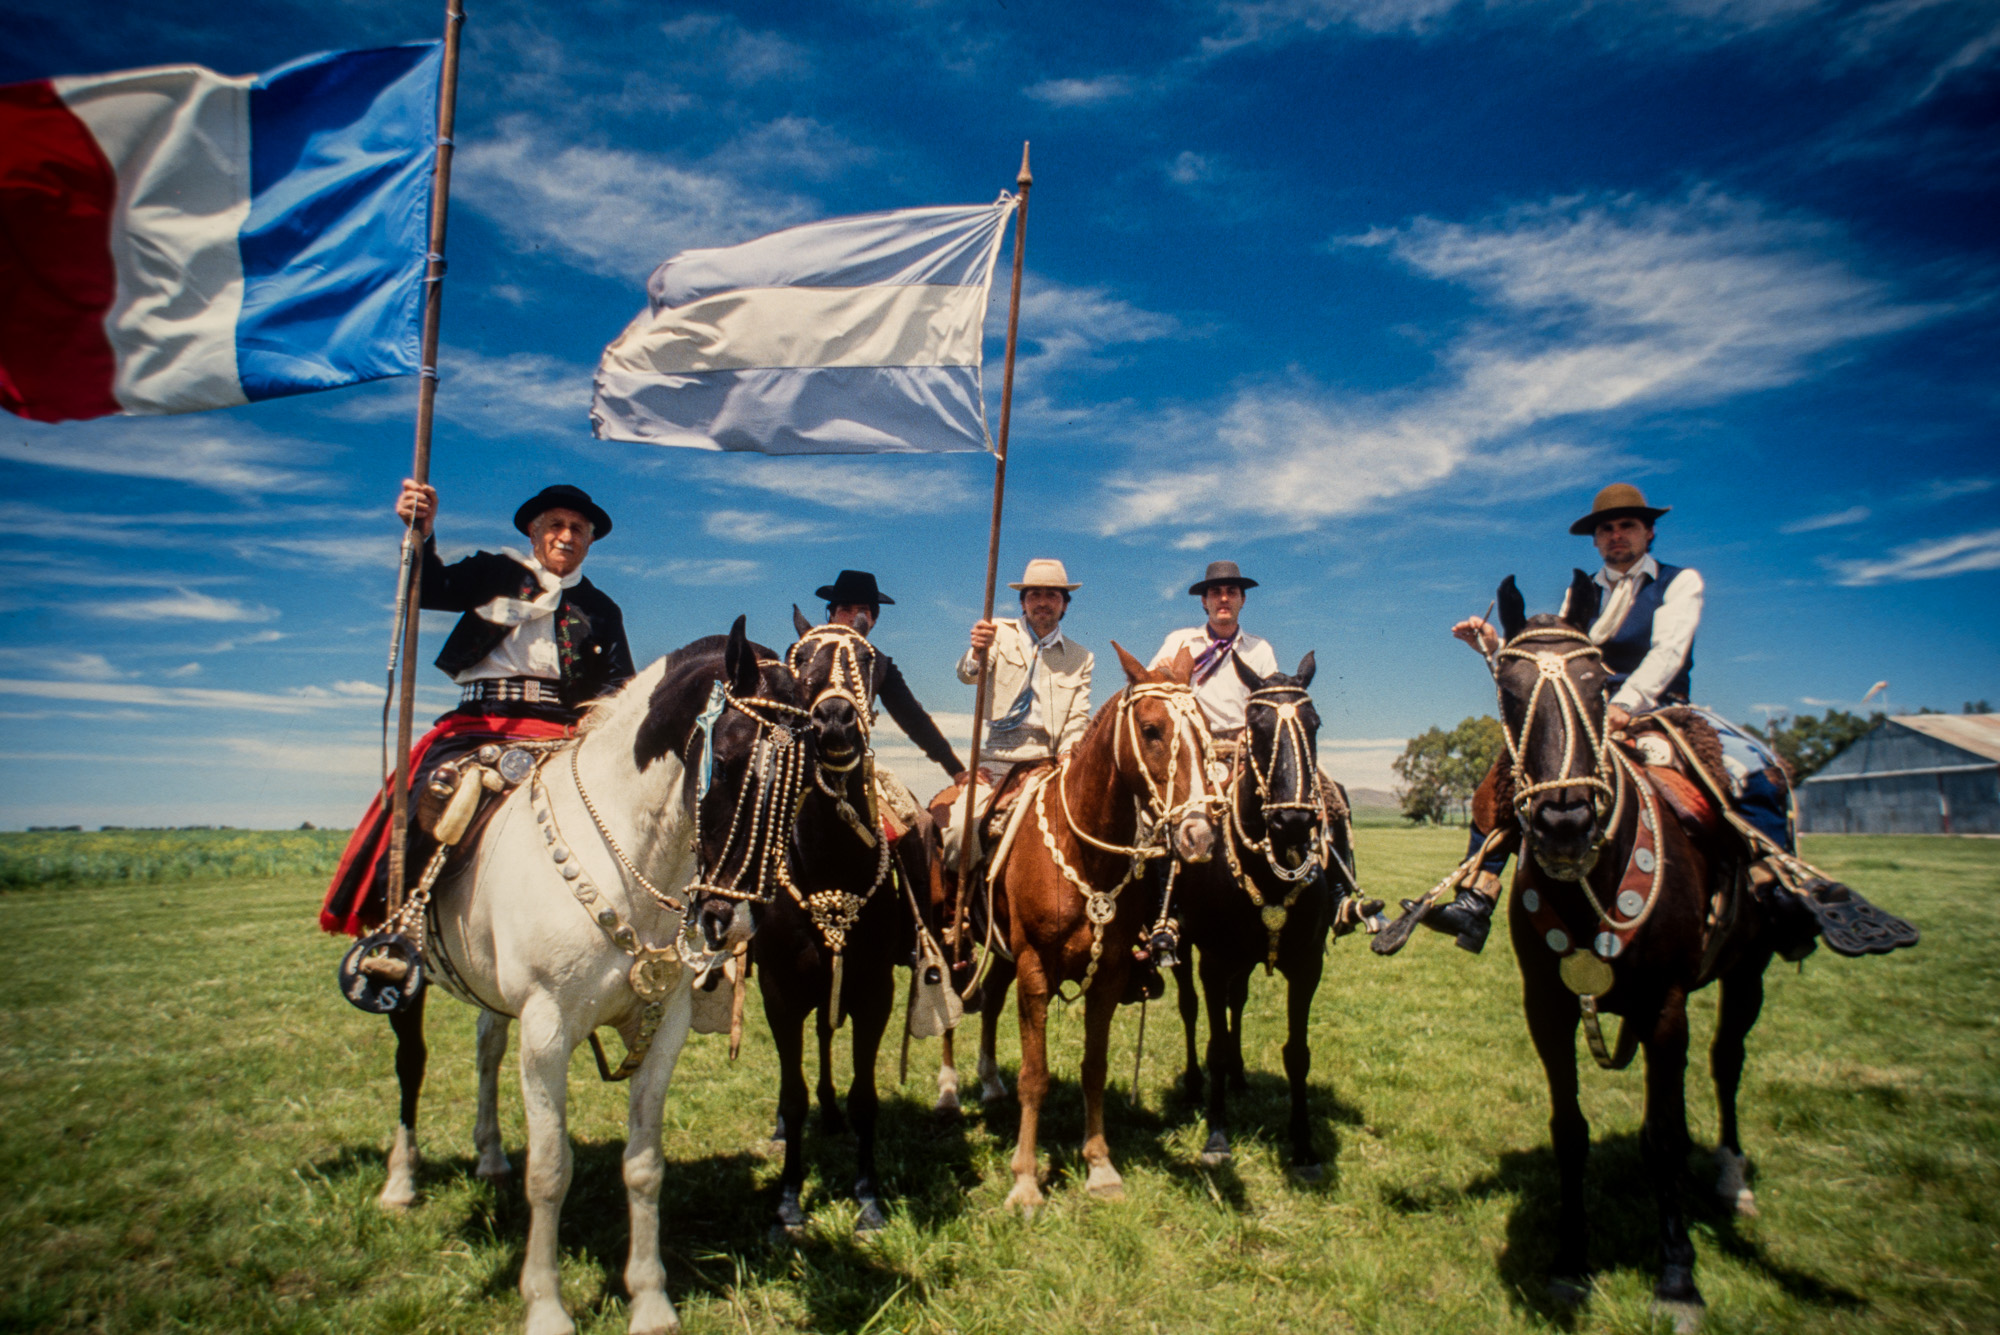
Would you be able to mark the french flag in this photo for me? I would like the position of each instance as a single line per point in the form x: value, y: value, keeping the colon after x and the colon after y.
x: 173, y: 239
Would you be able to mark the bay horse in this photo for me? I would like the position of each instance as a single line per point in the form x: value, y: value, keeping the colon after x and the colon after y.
x: 1271, y: 899
x: 568, y: 916
x: 1611, y: 913
x: 828, y: 945
x: 1133, y: 789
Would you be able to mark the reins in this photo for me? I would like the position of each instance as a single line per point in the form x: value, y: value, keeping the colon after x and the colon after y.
x: 1289, y: 735
x: 771, y: 799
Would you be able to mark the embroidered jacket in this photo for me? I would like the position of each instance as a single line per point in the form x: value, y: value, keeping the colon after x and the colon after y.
x: 592, y: 654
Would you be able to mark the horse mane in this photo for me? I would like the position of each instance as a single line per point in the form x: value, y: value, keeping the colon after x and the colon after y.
x: 669, y: 713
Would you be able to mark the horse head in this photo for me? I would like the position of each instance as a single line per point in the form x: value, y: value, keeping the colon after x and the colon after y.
x: 1281, y: 761
x: 1551, y: 681
x: 746, y: 789
x: 837, y: 672
x: 1162, y: 748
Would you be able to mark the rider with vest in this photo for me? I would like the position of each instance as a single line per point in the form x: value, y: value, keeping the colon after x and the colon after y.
x: 537, y: 642
x: 1645, y: 622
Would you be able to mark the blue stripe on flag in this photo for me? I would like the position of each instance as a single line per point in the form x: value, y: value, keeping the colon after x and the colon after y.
x: 952, y: 247
x: 341, y: 150
x: 794, y: 410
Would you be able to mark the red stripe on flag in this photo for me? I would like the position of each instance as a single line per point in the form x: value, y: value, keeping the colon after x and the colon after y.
x: 56, y: 276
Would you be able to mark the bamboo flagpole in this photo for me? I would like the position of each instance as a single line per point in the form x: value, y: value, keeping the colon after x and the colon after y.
x: 410, y: 582
x: 1022, y: 184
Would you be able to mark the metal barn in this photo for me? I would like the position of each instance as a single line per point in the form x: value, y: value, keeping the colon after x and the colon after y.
x: 1918, y: 774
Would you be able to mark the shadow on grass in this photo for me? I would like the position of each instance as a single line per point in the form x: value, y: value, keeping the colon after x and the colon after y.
x: 1623, y: 1226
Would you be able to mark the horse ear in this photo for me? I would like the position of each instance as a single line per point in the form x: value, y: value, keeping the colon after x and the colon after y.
x: 1580, y: 608
x: 1513, y: 610
x: 1181, y: 670
x: 1307, y: 666
x: 799, y: 622
x: 1135, y: 671
x: 739, y: 662
x: 1244, y: 674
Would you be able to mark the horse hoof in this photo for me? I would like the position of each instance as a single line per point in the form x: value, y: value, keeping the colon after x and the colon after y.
x: 548, y: 1318
x: 1216, y: 1152
x: 1732, y: 1184
x: 397, y: 1200
x: 947, y: 1104
x: 1308, y: 1172
x: 1685, y: 1316
x: 1569, y: 1290
x: 870, y: 1220
x: 993, y: 1093
x: 1104, y: 1183
x: 1025, y: 1197
x: 653, y: 1314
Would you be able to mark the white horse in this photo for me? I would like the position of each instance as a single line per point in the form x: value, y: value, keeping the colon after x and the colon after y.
x: 552, y: 923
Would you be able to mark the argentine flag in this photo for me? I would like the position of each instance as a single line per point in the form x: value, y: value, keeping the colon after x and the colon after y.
x: 173, y: 239
x: 852, y: 336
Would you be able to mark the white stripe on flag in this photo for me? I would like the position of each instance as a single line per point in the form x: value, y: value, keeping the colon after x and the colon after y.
x: 904, y: 325
x: 178, y: 138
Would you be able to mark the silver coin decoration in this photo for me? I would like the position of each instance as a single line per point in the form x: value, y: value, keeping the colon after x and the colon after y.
x: 1630, y: 902
x: 1643, y: 860
x: 1558, y: 940
x: 1608, y: 945
x: 516, y: 764
x: 1531, y: 901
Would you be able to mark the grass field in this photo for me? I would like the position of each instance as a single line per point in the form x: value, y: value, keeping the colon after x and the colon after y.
x: 194, y: 1127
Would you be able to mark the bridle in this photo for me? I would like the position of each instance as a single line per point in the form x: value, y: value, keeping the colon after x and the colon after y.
x: 850, y: 677
x: 1573, y: 711
x: 1290, y: 739
x: 766, y: 805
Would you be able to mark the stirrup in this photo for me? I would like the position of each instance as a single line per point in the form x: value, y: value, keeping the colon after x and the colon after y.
x: 1853, y: 926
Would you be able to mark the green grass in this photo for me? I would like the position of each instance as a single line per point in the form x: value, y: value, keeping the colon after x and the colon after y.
x: 194, y: 1127
x: 49, y: 858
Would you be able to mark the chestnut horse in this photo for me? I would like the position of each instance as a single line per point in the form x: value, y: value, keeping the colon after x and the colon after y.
x: 1271, y: 900
x: 829, y: 944
x: 1611, y: 913
x: 1134, y: 788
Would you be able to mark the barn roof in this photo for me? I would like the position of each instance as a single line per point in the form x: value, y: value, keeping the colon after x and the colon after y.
x: 1977, y: 733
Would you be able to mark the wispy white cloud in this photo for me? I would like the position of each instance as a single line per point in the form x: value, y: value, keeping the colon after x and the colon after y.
x: 508, y: 395
x: 612, y: 211
x: 208, y: 450
x: 763, y: 526
x: 182, y: 605
x: 744, y: 54
x: 1934, y: 559
x: 1082, y: 92
x: 1854, y: 514
x: 305, y: 700
x: 865, y: 484
x: 1593, y: 307
x: 79, y: 666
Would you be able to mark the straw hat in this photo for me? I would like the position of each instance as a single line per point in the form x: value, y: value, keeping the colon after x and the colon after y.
x: 1045, y: 573
x: 1617, y: 501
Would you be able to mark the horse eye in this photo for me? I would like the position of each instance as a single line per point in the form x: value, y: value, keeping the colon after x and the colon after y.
x: 1151, y: 732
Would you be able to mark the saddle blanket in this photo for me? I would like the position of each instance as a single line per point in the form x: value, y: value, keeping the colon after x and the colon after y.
x: 356, y: 901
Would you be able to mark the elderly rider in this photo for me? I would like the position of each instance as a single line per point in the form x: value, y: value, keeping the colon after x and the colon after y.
x: 1645, y: 622
x: 1212, y: 645
x: 535, y: 644
x: 1037, y: 696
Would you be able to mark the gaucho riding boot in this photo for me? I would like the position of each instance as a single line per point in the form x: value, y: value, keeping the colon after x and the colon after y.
x: 1469, y: 917
x: 1794, y: 926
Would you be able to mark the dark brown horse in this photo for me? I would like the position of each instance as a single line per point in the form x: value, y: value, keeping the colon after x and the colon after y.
x: 1611, y: 913
x: 1061, y: 893
x: 829, y: 944
x: 1271, y: 899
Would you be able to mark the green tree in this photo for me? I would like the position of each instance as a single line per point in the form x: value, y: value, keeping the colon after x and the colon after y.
x: 1440, y: 770
x: 1806, y: 743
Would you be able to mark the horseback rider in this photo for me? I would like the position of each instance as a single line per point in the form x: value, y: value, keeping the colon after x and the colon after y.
x: 1220, y: 690
x: 536, y: 643
x: 1038, y: 692
x: 1645, y: 622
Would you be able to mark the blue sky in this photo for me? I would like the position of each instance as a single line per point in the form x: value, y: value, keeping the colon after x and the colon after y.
x: 1368, y: 295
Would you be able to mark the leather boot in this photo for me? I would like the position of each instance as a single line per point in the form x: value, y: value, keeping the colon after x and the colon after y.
x: 1469, y: 917
x: 1794, y: 926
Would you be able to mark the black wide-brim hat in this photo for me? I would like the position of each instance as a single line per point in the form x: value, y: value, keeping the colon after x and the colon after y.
x: 853, y: 586
x: 1620, y: 500
x: 564, y: 497
x: 1220, y: 572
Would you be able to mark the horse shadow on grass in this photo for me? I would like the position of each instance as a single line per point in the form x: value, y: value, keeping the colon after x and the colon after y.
x: 1624, y: 1226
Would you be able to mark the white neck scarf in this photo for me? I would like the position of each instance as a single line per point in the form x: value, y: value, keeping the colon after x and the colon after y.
x: 519, y: 611
x: 1618, y: 604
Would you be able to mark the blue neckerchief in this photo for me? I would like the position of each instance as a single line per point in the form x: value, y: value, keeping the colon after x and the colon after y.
x: 1017, y: 713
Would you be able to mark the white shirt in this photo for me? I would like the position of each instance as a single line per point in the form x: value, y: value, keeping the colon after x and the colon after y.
x: 1223, y: 696
x: 1674, y: 625
x: 530, y: 648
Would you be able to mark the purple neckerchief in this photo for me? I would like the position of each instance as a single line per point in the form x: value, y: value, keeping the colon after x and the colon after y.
x: 1211, y: 658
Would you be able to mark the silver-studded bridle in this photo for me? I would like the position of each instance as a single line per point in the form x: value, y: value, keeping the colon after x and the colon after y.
x: 1581, y: 739
x: 760, y: 819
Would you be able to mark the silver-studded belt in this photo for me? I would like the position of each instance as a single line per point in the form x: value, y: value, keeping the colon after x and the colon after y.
x: 533, y: 690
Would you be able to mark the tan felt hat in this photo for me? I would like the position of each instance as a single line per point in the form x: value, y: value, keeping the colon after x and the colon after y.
x: 1045, y: 573
x: 1617, y: 501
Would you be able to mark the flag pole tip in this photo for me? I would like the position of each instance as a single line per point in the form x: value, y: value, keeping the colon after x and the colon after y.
x: 1026, y: 178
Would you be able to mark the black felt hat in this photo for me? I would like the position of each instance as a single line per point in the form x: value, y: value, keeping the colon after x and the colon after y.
x: 853, y: 586
x: 1220, y: 572
x: 562, y: 496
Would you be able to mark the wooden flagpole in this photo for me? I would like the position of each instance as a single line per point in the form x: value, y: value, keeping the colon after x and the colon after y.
x: 1022, y: 183
x: 408, y: 590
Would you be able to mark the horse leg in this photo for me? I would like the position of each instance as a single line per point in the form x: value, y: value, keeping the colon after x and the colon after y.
x: 873, y: 997
x: 1100, y: 1004
x: 545, y: 1053
x: 993, y: 998
x: 947, y: 1076
x: 492, y: 1049
x: 1033, y: 1085
x: 1190, y: 1008
x: 1742, y: 1000
x: 1552, y: 1020
x: 1663, y: 1140
x: 1301, y: 983
x: 645, y: 1167
x: 830, y: 1120
x: 400, y: 1191
x: 1239, y: 998
x: 794, y: 1100
x: 1215, y: 988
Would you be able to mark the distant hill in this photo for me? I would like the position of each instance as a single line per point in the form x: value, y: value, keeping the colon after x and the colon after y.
x: 1364, y: 798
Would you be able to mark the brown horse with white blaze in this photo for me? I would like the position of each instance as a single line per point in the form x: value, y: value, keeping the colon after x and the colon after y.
x: 1132, y: 790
